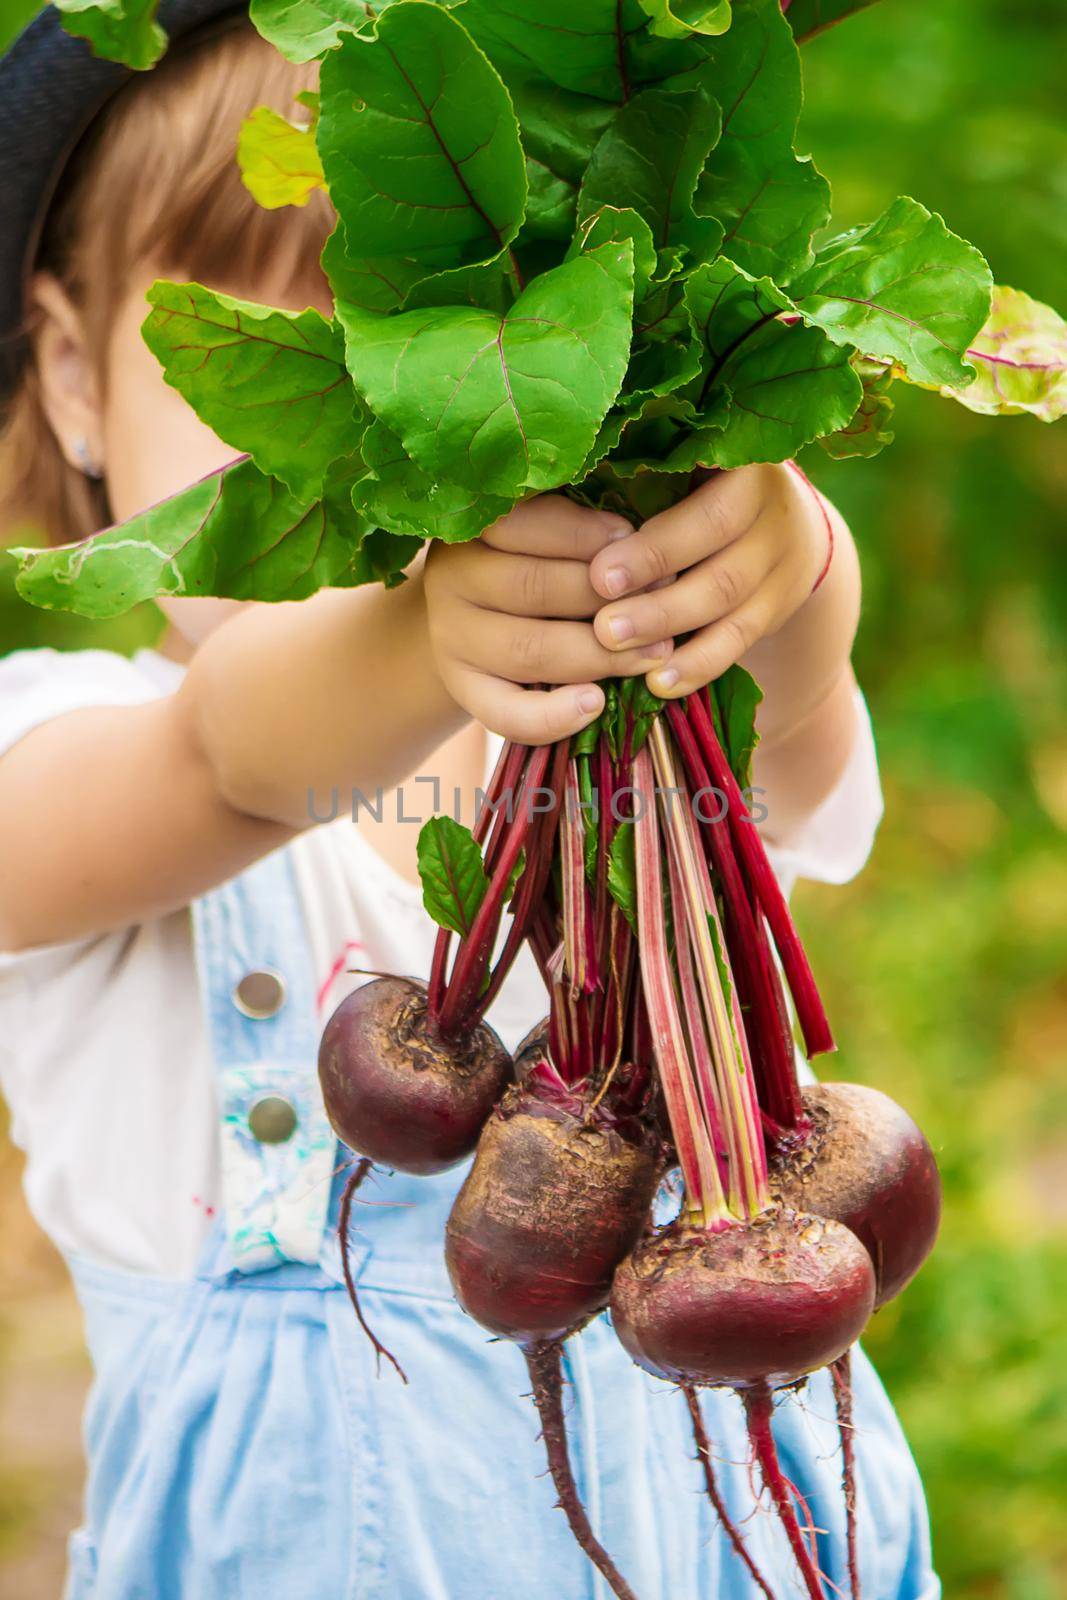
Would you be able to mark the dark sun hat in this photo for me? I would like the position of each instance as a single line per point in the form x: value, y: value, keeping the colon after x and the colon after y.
x: 51, y: 89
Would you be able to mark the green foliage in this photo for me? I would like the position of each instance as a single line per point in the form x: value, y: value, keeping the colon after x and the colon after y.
x: 735, y: 698
x: 506, y: 403
x: 271, y: 383
x: 622, y: 872
x: 119, y: 30
x: 249, y: 534
x: 454, y: 883
x: 575, y: 249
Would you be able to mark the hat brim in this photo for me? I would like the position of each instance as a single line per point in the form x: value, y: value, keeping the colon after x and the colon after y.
x: 52, y: 88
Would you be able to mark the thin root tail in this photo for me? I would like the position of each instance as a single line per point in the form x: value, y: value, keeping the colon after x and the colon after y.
x: 546, y: 1377
x: 759, y: 1408
x: 359, y: 1172
x: 703, y: 1445
x: 841, y: 1372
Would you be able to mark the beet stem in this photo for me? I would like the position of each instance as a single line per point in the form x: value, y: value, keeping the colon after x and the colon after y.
x: 759, y: 1408
x: 545, y: 1365
x: 703, y: 1444
x: 841, y: 1373
x: 802, y: 986
x: 767, y: 1024
x: 359, y: 1172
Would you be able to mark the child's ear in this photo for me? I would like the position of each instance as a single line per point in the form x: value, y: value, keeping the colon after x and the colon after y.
x: 70, y: 390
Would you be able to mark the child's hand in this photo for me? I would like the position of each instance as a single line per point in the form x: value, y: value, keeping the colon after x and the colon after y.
x: 732, y: 564
x: 515, y: 607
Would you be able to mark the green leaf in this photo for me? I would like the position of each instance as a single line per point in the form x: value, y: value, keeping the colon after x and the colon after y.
x: 278, y: 159
x: 1020, y: 361
x: 772, y: 386
x: 644, y: 708
x: 304, y: 29
x: 735, y: 697
x: 677, y: 19
x: 622, y: 872
x: 381, y: 558
x: 560, y: 130
x: 650, y: 158
x: 117, y: 30
x: 271, y: 383
x: 768, y: 200
x: 903, y: 288
x: 454, y: 882
x: 503, y: 404
x: 398, y: 495
x: 236, y: 534
x: 868, y: 432
x: 374, y: 286
x: 610, y: 225
x: 419, y: 144
x: 602, y: 48
x: 808, y: 17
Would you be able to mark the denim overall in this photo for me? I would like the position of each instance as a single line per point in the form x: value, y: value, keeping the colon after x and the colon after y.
x: 242, y: 1445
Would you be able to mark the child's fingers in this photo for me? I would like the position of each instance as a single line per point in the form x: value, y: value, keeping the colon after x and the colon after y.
x: 524, y: 586
x: 551, y: 525
x: 708, y: 653
x: 528, y: 716
x: 708, y: 591
x: 714, y: 516
x: 533, y: 651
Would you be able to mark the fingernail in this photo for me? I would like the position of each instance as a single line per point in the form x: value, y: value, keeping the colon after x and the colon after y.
x: 656, y: 652
x: 617, y: 531
x: 621, y: 629
x: 589, y: 700
x: 663, y: 680
x: 616, y: 581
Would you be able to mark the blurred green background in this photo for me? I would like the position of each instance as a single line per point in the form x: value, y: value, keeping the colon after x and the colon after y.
x: 945, y: 965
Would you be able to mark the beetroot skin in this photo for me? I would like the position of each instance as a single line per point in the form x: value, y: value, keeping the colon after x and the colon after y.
x: 867, y: 1165
x: 553, y: 1202
x: 754, y: 1304
x: 399, y: 1092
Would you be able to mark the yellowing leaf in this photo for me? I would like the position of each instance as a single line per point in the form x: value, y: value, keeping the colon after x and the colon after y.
x: 1020, y: 358
x: 278, y: 159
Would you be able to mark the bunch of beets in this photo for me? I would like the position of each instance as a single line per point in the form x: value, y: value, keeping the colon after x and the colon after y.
x: 630, y: 863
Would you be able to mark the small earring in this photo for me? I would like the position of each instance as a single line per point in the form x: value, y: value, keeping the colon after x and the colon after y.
x: 89, y: 466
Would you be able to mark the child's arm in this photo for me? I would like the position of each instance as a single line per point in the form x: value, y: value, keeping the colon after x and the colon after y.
x: 113, y: 815
x: 738, y: 562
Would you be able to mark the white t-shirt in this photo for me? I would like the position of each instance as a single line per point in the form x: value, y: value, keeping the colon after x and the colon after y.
x: 104, y: 1057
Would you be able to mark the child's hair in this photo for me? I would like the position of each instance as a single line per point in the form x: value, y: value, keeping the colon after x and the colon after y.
x: 155, y: 181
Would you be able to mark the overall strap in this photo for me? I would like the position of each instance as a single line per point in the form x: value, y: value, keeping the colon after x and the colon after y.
x: 258, y: 993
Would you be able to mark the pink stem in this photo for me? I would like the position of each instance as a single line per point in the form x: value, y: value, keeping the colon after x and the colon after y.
x: 801, y: 980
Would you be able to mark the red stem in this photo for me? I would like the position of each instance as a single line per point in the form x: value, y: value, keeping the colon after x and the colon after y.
x: 766, y: 1023
x: 476, y: 950
x: 810, y: 1013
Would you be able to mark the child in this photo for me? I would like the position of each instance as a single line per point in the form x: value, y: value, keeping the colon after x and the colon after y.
x: 177, y: 928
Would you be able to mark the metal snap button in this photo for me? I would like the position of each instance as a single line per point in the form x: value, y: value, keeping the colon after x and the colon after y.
x: 272, y: 1120
x: 260, y: 994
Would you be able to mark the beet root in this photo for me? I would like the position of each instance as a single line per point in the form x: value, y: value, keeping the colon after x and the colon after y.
x: 398, y: 1091
x: 732, y: 1532
x: 754, y: 1304
x: 546, y: 1379
x: 344, y: 1222
x: 865, y: 1164
x: 553, y: 1202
